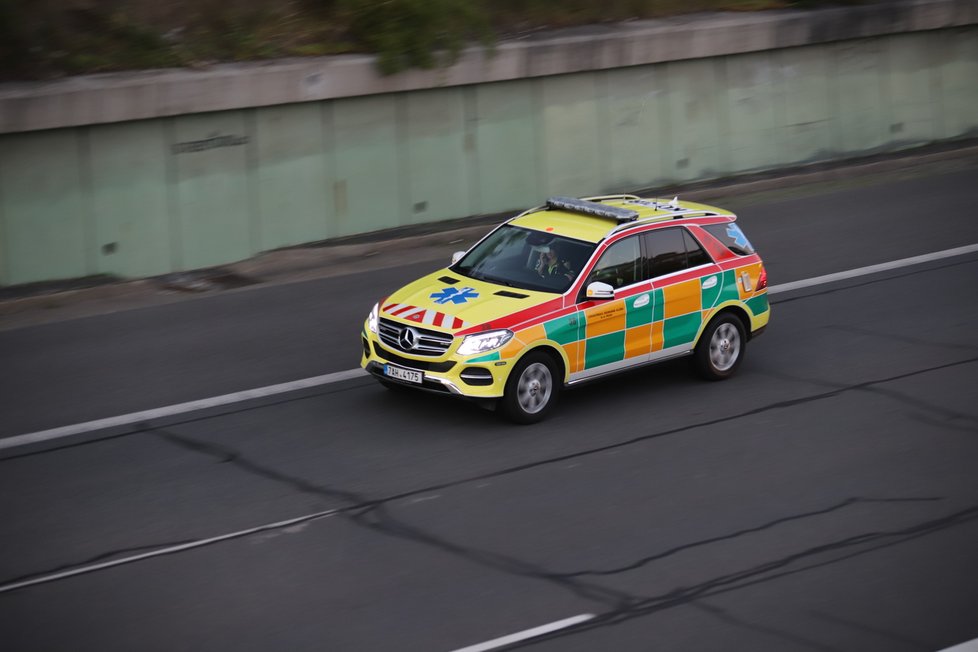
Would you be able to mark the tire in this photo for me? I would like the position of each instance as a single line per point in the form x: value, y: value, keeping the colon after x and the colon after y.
x: 532, y: 389
x: 721, y: 347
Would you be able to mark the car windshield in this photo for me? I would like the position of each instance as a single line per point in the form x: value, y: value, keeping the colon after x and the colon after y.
x: 526, y: 259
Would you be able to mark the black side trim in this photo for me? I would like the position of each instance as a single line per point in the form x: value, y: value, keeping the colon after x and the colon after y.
x: 476, y: 376
x: 512, y: 295
x: 423, y: 365
x: 448, y: 279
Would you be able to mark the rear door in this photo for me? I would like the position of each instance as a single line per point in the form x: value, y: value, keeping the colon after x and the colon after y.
x: 685, y: 283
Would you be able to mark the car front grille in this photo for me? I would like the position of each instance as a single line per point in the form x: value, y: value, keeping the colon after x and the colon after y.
x: 426, y: 342
x: 421, y: 365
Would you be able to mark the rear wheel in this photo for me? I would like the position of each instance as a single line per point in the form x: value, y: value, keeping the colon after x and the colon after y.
x: 721, y: 348
x: 532, y: 389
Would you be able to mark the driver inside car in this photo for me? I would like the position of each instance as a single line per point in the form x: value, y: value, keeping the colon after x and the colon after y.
x: 551, y: 264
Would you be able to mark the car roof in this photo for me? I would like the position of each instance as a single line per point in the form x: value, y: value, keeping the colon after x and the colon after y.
x: 569, y: 222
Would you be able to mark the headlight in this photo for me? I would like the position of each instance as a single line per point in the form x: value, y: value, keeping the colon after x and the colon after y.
x: 372, y: 318
x: 482, y: 342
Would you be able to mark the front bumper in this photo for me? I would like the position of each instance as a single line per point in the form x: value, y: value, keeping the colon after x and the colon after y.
x: 445, y: 374
x: 430, y: 383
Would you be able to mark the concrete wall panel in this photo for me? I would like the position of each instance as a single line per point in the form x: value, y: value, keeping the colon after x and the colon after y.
x: 46, y: 210
x: 506, y: 155
x: 958, y: 66
x: 365, y: 155
x: 436, y: 161
x: 754, y: 98
x: 912, y: 95
x: 4, y: 241
x: 293, y: 183
x: 808, y: 117
x: 211, y: 161
x: 694, y: 119
x: 569, y: 122
x: 639, y: 137
x: 858, y: 74
x: 132, y: 222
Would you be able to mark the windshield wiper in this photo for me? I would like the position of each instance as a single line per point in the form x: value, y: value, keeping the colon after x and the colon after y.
x: 471, y: 273
x: 500, y: 281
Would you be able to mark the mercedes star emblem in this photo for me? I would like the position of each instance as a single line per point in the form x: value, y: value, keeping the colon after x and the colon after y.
x: 408, y: 338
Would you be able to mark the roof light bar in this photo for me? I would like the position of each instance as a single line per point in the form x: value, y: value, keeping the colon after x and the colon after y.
x: 574, y: 205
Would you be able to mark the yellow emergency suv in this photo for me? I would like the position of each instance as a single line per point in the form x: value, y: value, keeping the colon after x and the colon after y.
x: 571, y: 291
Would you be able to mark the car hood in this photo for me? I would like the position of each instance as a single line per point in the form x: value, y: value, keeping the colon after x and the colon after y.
x: 434, y: 302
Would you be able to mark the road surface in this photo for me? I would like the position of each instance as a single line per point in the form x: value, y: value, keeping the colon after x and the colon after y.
x: 824, y: 499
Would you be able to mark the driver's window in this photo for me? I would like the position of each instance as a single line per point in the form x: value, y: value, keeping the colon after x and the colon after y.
x: 620, y: 265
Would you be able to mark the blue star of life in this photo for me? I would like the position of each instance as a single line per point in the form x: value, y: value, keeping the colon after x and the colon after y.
x: 455, y: 295
x: 734, y: 233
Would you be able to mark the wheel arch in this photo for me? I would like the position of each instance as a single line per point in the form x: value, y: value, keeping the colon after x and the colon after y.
x: 734, y: 309
x: 553, y: 351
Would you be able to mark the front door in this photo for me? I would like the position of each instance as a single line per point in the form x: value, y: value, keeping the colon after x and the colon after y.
x: 618, y: 332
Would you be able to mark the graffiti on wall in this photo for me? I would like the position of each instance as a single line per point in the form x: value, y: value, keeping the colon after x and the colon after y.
x: 213, y: 141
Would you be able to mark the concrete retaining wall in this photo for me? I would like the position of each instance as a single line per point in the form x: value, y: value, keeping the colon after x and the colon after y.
x: 175, y: 190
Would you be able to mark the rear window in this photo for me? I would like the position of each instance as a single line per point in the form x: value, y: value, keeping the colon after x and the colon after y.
x: 731, y: 236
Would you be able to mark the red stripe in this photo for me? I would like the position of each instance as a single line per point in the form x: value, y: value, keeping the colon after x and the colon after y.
x: 439, y: 317
x: 533, y: 315
x: 402, y: 309
x: 457, y: 323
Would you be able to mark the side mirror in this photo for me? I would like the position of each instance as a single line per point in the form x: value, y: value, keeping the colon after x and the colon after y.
x: 599, y: 290
x: 457, y: 256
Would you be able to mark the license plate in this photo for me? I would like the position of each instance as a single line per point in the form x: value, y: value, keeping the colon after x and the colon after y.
x: 409, y: 375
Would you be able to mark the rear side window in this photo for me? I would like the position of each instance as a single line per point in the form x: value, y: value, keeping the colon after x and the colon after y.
x: 667, y: 251
x: 673, y: 250
x: 731, y: 236
x: 695, y: 254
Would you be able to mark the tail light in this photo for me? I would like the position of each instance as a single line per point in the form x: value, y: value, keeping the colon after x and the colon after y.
x: 762, y: 280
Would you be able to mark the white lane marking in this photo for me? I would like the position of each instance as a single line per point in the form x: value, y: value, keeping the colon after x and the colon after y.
x: 967, y: 646
x: 179, y: 408
x: 424, y: 499
x: 526, y: 634
x: 271, y: 390
x: 44, y: 579
x: 872, y: 269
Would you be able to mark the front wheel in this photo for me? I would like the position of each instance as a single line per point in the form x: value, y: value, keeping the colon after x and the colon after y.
x: 532, y: 389
x: 721, y: 348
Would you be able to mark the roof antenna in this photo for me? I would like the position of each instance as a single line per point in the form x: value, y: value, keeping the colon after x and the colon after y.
x: 674, y: 204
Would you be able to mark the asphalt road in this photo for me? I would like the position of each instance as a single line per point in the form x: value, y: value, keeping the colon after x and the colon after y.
x: 824, y: 499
